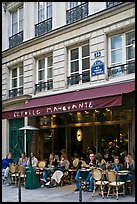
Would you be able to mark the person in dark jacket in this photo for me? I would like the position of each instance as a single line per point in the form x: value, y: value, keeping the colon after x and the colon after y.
x: 5, y: 168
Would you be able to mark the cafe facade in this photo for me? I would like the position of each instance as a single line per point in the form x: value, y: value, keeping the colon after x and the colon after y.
x: 86, y: 98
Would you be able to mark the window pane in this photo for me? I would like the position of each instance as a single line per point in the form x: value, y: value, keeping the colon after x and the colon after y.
x: 14, y: 28
x: 41, y: 15
x: 49, y: 10
x: 21, y: 81
x: 14, y: 73
x: 74, y: 66
x: 41, y: 75
x: 49, y: 73
x: 116, y: 56
x: 41, y: 64
x: 14, y: 17
x: 85, y: 64
x: 85, y: 51
x: 14, y: 83
x: 21, y: 26
x: 50, y: 61
x: 130, y: 53
x: 21, y: 14
x: 41, y: 5
x: 116, y: 42
x: 20, y: 71
x: 130, y: 37
x: 74, y: 54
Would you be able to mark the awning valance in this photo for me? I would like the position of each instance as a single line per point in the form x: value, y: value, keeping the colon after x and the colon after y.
x: 99, y: 97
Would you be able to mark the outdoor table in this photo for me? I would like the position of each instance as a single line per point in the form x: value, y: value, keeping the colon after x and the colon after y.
x: 123, y: 172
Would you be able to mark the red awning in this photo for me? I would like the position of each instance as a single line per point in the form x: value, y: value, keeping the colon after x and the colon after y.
x: 99, y: 97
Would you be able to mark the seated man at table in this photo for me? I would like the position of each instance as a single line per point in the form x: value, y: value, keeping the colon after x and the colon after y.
x: 51, y: 166
x: 116, y: 166
x: 87, y: 174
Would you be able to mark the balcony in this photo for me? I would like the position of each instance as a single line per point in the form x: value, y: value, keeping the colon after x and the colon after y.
x: 121, y: 70
x: 78, y: 78
x: 111, y: 4
x: 43, y: 27
x: 16, y: 39
x: 43, y: 86
x: 77, y: 13
x: 16, y: 92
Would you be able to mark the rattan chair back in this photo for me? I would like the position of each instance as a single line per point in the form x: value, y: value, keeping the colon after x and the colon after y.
x: 41, y: 164
x: 13, y: 168
x: 97, y: 174
x: 111, y: 176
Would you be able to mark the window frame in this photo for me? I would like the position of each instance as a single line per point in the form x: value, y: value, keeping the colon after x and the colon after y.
x: 45, y: 69
x: 18, y: 77
x: 46, y: 14
x: 18, y: 20
x: 80, y: 58
x: 124, y: 48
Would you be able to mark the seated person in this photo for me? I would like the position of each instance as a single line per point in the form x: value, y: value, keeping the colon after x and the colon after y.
x: 116, y: 166
x: 129, y: 165
x: 100, y: 162
x: 6, y: 168
x: 23, y: 160
x: 87, y: 177
x: 51, y: 164
x: 34, y: 160
x: 59, y: 172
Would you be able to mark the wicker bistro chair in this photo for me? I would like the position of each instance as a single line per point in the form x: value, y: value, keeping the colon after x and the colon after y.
x: 98, y: 177
x: 39, y: 169
x: 14, y: 173
x: 114, y: 184
x: 22, y: 171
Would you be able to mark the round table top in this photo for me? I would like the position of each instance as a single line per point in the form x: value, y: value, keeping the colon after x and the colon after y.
x: 123, y: 172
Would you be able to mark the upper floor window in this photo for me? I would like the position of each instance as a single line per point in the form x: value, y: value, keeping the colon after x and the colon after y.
x: 74, y: 4
x: 122, y: 51
x: 44, y: 24
x: 79, y: 65
x: 16, y: 27
x: 44, y: 74
x: 16, y: 81
x: 17, y: 21
x: 44, y: 11
x: 76, y: 11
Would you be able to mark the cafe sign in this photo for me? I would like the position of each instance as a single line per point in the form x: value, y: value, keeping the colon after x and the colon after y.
x: 97, y: 68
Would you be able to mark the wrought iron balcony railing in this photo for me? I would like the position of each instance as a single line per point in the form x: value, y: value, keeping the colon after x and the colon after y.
x: 16, y: 92
x: 16, y: 39
x: 43, y: 27
x: 42, y: 86
x: 77, y: 13
x: 78, y: 78
x: 111, y: 4
x: 121, y: 70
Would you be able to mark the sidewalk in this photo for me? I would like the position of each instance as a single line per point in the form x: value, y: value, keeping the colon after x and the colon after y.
x: 56, y: 194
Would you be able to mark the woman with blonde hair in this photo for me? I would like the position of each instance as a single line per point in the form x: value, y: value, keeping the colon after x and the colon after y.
x: 129, y: 164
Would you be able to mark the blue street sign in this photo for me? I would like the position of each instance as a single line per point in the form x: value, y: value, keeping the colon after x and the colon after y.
x: 97, y: 68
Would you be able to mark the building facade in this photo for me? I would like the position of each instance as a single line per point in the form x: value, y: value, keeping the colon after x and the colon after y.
x: 68, y: 68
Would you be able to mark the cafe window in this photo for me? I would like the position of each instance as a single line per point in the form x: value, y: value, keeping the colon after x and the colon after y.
x: 79, y: 65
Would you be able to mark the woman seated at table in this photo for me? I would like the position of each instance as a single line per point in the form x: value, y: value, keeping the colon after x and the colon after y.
x: 51, y: 166
x: 23, y: 160
x: 62, y: 166
x: 34, y: 160
x: 129, y: 165
x: 87, y: 176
